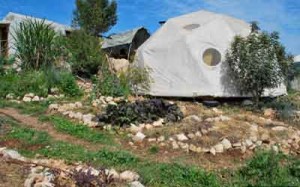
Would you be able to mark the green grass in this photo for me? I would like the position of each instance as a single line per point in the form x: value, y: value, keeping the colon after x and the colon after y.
x: 79, y: 130
x: 31, y: 108
x: 268, y: 169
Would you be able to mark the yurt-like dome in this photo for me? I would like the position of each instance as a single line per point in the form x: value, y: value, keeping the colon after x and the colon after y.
x: 186, y: 55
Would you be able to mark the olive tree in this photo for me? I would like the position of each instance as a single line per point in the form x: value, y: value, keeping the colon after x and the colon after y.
x: 257, y: 62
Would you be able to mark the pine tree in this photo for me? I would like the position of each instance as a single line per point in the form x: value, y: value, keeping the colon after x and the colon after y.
x: 95, y: 16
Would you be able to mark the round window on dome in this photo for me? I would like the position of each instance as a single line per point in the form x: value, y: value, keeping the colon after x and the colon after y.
x: 211, y: 57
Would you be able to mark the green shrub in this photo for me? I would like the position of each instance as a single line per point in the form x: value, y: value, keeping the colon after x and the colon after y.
x: 108, y: 84
x: 86, y: 57
x: 4, y: 61
x: 68, y: 85
x: 38, y: 82
x: 25, y: 82
x: 35, y: 44
x: 267, y: 169
x: 175, y: 175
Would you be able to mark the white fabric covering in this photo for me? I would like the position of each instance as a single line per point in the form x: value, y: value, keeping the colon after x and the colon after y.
x: 175, y: 56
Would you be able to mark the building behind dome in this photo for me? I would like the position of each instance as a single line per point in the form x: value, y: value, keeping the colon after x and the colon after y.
x: 186, y: 56
x: 10, y: 23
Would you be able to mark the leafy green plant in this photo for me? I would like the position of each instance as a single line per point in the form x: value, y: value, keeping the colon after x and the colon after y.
x: 35, y: 44
x: 68, y: 84
x: 108, y: 84
x: 86, y: 57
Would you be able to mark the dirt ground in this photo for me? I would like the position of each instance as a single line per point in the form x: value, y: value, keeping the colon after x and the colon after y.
x: 12, y: 175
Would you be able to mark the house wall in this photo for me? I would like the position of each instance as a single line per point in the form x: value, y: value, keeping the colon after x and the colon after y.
x: 15, y: 20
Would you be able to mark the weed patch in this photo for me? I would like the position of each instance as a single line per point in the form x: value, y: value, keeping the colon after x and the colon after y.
x: 80, y: 131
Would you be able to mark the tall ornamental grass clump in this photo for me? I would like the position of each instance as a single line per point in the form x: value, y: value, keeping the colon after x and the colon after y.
x: 35, y: 44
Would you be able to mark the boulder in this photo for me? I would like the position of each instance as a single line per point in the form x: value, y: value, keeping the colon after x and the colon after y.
x: 27, y: 99
x: 136, y: 184
x: 134, y: 129
x: 129, y: 176
x: 212, y: 151
x: 158, y: 123
x: 10, y: 96
x: 78, y: 105
x: 119, y: 65
x: 175, y: 145
x: 36, y: 98
x: 191, y: 136
x: 31, y: 95
x: 219, y: 148
x: 248, y: 143
x: 181, y: 137
x: 11, y: 154
x: 226, y: 143
x: 139, y: 137
x: 161, y: 139
x: 53, y: 107
x: 193, y: 118
x: 109, y: 99
x: 224, y: 118
x: 114, y: 174
x: 279, y: 128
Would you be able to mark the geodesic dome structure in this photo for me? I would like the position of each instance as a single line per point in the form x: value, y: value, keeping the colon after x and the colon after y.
x: 186, y: 56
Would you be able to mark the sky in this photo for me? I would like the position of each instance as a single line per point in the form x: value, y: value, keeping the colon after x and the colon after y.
x: 273, y: 15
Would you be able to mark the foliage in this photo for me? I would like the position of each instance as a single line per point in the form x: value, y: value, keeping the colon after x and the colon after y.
x: 267, y: 169
x: 86, y: 57
x: 35, y: 44
x: 175, y: 175
x: 153, y: 150
x: 285, y: 106
x: 136, y: 79
x: 257, y: 62
x: 38, y: 82
x: 4, y: 61
x: 108, y: 84
x: 146, y: 111
x: 80, y: 131
x: 95, y: 16
x: 68, y: 85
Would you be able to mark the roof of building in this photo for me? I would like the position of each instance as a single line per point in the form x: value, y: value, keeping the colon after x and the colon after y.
x: 120, y: 38
x: 15, y: 16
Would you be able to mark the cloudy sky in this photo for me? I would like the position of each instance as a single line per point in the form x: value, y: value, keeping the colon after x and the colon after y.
x: 273, y: 15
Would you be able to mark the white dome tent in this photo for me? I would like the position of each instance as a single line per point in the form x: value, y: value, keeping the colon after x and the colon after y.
x: 186, y: 56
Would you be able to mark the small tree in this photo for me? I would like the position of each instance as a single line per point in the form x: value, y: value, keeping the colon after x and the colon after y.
x: 257, y: 62
x: 86, y: 57
x: 95, y: 16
